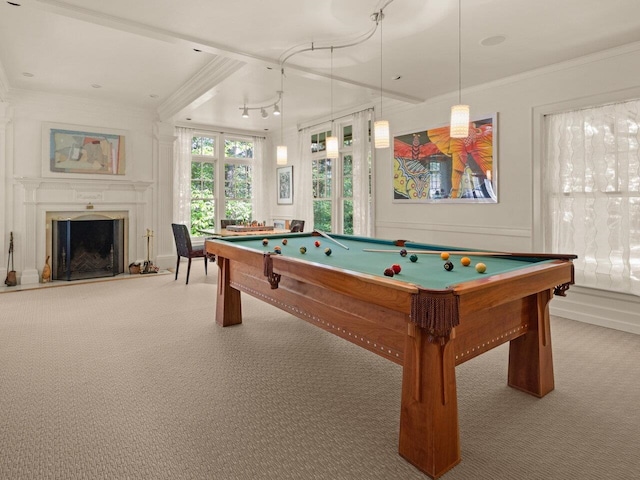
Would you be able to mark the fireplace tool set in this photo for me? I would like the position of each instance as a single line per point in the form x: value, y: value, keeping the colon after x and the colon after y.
x: 149, y: 267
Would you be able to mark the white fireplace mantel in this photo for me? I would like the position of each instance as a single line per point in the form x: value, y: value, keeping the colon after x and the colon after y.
x: 40, y: 196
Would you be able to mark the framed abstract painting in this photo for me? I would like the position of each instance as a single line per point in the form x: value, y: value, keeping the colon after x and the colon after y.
x: 429, y: 166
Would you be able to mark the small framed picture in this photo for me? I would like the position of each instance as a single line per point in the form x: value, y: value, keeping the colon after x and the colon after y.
x: 285, y: 185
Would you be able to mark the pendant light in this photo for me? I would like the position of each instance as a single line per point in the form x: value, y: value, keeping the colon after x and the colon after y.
x: 281, y: 150
x: 459, y: 113
x: 332, y: 141
x: 381, y: 127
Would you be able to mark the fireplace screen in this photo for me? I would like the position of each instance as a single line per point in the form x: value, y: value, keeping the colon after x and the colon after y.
x: 83, y: 248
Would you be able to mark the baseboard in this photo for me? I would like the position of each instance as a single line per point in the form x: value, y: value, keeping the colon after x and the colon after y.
x: 599, y: 307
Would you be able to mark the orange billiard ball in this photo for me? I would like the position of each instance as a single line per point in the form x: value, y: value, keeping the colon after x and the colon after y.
x: 481, y: 267
x: 466, y: 261
x: 444, y: 256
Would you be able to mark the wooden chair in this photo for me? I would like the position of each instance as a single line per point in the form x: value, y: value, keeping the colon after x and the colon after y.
x: 227, y: 222
x: 185, y: 249
x: 297, y: 225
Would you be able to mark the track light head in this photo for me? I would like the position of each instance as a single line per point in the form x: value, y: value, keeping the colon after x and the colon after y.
x: 276, y: 110
x: 264, y: 113
x: 245, y: 112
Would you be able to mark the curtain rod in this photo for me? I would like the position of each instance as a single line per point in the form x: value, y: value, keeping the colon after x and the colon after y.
x: 368, y: 109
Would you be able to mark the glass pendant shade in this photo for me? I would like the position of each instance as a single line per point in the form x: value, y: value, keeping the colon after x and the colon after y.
x: 332, y: 147
x: 381, y: 134
x: 459, y: 121
x: 281, y: 155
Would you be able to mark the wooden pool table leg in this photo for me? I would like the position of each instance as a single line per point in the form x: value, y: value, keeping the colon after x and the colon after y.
x: 429, y: 433
x: 228, y: 303
x: 530, y: 356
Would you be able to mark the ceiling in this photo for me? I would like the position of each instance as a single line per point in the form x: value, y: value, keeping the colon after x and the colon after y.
x: 205, y: 59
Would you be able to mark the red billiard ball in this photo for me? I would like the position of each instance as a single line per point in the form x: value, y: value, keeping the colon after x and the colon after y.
x: 396, y: 268
x: 317, y: 243
x: 388, y: 272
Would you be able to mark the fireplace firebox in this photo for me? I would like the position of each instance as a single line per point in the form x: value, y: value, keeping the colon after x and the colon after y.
x: 87, y: 247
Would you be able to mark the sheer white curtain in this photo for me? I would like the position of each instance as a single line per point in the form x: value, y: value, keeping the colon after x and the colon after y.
x: 362, y: 211
x: 592, y: 192
x: 303, y: 194
x: 259, y: 200
x: 182, y: 176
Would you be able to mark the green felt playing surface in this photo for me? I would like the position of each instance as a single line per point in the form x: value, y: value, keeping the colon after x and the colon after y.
x: 427, y: 272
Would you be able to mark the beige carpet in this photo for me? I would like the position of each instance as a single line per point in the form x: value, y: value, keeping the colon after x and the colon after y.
x: 132, y: 379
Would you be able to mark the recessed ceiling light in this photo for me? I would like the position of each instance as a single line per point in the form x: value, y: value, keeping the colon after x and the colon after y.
x: 197, y: 50
x: 492, y: 41
x: 396, y: 77
x: 188, y: 119
x: 95, y: 85
x: 27, y: 74
x: 14, y: 4
x: 153, y: 95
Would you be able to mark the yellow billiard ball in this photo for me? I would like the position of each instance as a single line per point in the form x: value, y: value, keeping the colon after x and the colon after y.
x: 444, y: 256
x: 466, y: 261
x: 481, y: 267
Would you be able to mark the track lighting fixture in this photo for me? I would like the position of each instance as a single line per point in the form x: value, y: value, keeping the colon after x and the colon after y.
x: 263, y: 108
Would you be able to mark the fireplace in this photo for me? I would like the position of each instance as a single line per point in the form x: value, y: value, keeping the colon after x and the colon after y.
x: 89, y: 246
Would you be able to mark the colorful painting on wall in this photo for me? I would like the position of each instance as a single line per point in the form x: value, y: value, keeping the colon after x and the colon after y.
x: 429, y: 166
x: 73, y: 151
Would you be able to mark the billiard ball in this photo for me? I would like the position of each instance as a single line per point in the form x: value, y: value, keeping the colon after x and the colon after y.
x: 303, y: 250
x: 327, y: 251
x: 316, y: 243
x: 448, y: 266
x: 403, y: 252
x: 413, y: 258
x: 277, y: 249
x: 388, y: 272
x: 444, y: 256
x: 284, y: 241
x: 481, y: 267
x: 265, y: 241
x: 465, y: 261
x: 396, y: 268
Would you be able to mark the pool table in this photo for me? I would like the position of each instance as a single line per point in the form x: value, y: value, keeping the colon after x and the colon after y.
x: 425, y: 318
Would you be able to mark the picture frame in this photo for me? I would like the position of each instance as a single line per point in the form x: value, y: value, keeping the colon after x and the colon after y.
x: 285, y: 185
x: 431, y: 167
x: 82, y: 151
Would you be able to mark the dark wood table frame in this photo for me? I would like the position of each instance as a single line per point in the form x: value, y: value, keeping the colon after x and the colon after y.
x: 388, y: 317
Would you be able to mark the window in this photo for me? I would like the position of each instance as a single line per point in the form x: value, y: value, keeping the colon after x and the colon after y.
x: 202, y: 184
x: 592, y: 193
x: 322, y: 178
x: 210, y: 179
x: 333, y: 183
x: 238, y: 154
